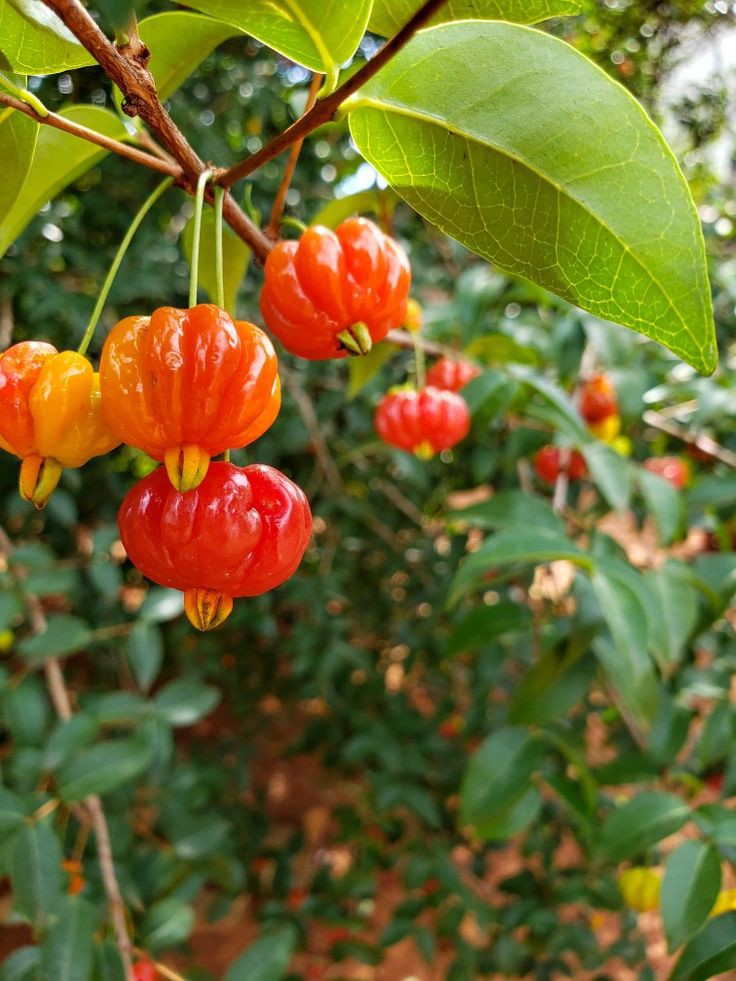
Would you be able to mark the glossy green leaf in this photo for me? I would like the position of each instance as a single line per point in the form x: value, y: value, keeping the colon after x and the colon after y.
x: 497, y: 775
x: 509, y: 509
x: 488, y: 395
x: 663, y: 502
x: 674, y: 605
x: 514, y: 547
x: 235, y: 256
x: 66, y: 954
x: 36, y: 872
x: 18, y: 135
x: 376, y: 201
x: 485, y: 623
x: 549, y: 689
x: 167, y: 922
x: 267, y: 959
x: 102, y: 768
x: 21, y: 965
x: 610, y: 472
x: 64, y: 634
x: 641, y: 823
x: 34, y: 41
x: 503, y: 160
x: 60, y: 159
x: 179, y: 42
x: 390, y: 15
x: 512, y: 819
x: 692, y: 880
x: 145, y: 653
x: 185, y: 701
x: 626, y: 661
x: 13, y: 809
x: 319, y: 34
x: 710, y: 952
x: 68, y: 737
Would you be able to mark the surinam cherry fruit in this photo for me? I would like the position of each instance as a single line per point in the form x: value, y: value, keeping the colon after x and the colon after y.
x: 50, y: 415
x: 549, y: 461
x: 424, y: 421
x: 671, y: 468
x: 186, y: 385
x: 144, y: 971
x: 452, y: 374
x: 240, y: 532
x: 335, y: 293
x: 597, y: 399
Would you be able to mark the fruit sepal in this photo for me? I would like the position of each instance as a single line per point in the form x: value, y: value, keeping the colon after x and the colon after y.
x: 39, y: 476
x: 206, y: 608
x: 186, y: 466
x: 356, y: 340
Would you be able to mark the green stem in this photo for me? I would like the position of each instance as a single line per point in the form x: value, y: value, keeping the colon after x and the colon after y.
x: 197, y: 234
x: 219, y: 267
x: 25, y: 96
x: 119, y: 256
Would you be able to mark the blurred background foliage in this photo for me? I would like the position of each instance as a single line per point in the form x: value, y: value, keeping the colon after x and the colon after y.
x: 297, y: 774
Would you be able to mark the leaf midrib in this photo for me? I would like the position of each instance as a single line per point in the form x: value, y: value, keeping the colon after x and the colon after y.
x: 312, y: 32
x: 438, y: 121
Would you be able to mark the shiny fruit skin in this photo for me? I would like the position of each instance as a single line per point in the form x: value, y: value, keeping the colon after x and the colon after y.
x: 424, y: 421
x: 50, y: 405
x: 189, y: 378
x: 671, y: 468
x: 144, y: 971
x: 50, y: 414
x: 329, y: 281
x: 547, y: 464
x: 451, y: 374
x: 241, y: 532
x: 598, y: 399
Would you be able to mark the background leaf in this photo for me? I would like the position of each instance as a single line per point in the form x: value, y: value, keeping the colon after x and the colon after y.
x: 692, y: 879
x: 60, y: 159
x: 36, y: 872
x: 66, y: 954
x: 389, y: 15
x: 710, y: 952
x: 34, y: 41
x: 641, y: 823
x: 608, y: 225
x: 319, y: 34
x: 64, y: 634
x: 267, y: 959
x: 497, y: 775
x: 103, y: 768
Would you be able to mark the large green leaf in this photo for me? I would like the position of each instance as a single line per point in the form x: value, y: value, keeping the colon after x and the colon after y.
x: 36, y: 872
x: 179, y: 41
x: 690, y: 886
x: 34, y: 41
x: 641, y: 823
x: 498, y: 774
x: 673, y: 606
x: 319, y: 34
x: 580, y: 195
x: 60, y: 159
x: 18, y: 135
x: 514, y: 547
x: 66, y: 954
x: 389, y: 15
x: 626, y: 662
x: 509, y: 509
x: 102, y: 768
x: 711, y: 952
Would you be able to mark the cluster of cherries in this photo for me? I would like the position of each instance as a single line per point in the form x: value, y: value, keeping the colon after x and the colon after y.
x: 185, y: 386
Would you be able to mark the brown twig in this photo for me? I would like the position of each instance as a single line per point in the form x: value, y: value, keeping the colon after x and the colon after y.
x: 92, y: 136
x: 699, y: 440
x: 62, y: 706
x: 311, y: 423
x: 127, y: 67
x: 272, y: 228
x: 402, y: 338
x: 324, y: 109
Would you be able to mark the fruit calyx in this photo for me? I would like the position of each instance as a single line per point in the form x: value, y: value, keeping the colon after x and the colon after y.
x: 39, y: 476
x: 206, y: 608
x: 186, y: 466
x: 356, y: 340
